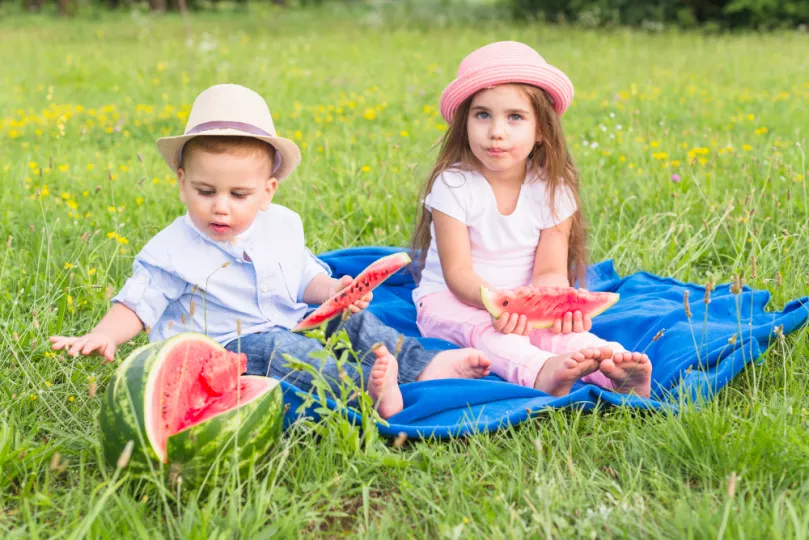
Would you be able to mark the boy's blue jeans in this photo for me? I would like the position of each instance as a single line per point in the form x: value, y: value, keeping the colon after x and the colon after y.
x: 364, y: 330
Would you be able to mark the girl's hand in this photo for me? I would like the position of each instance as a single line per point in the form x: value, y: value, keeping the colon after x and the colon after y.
x: 358, y: 305
x: 92, y: 343
x: 512, y: 323
x: 572, y: 322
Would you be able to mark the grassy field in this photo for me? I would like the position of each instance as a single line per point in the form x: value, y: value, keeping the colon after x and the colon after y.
x: 692, y: 152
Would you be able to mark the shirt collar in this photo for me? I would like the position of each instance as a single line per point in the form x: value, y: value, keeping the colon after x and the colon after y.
x: 235, y: 246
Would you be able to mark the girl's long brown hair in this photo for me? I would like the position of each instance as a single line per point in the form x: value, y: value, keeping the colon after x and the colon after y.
x: 550, y: 161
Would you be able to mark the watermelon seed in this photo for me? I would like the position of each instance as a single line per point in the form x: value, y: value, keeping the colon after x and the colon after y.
x: 505, y: 303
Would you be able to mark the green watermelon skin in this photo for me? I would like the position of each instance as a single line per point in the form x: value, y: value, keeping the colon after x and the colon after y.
x: 124, y: 412
x: 255, y: 427
x: 543, y: 305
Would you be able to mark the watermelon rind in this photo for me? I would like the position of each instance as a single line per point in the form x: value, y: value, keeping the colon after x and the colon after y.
x: 487, y: 297
x: 253, y: 427
x: 127, y: 408
x: 122, y: 409
x: 488, y: 302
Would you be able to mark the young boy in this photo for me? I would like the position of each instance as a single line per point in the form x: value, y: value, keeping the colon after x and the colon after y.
x: 237, y: 261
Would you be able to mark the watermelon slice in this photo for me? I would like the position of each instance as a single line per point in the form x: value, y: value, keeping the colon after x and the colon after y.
x: 184, y: 402
x: 543, y: 305
x: 368, y: 280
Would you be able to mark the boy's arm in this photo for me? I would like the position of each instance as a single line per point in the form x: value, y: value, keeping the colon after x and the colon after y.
x: 119, y: 325
x: 319, y: 289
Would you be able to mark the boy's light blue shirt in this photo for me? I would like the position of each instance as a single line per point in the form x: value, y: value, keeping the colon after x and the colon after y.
x: 181, y: 267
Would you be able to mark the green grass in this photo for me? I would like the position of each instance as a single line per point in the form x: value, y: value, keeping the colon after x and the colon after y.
x: 84, y: 189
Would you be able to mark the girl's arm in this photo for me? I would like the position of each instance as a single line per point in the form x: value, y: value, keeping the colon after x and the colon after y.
x: 550, y: 262
x: 455, y: 254
x: 550, y: 270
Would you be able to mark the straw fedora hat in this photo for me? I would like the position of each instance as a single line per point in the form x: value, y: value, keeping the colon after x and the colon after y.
x: 232, y: 110
x: 505, y: 62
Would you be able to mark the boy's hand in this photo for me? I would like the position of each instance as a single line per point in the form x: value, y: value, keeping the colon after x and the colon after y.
x: 572, y: 322
x: 94, y: 342
x: 512, y: 323
x: 360, y: 304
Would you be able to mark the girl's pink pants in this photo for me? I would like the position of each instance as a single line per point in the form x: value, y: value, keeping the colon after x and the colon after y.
x: 517, y: 359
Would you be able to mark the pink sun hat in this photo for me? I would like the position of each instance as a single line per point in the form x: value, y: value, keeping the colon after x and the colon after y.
x: 505, y: 62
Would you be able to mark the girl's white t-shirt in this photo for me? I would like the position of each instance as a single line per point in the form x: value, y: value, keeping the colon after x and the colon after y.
x: 503, y: 247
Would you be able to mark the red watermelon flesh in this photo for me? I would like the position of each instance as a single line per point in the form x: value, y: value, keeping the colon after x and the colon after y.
x: 195, y: 383
x: 543, y: 305
x: 369, y: 279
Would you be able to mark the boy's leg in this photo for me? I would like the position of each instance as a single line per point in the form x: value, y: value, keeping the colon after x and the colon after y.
x: 365, y: 330
x: 264, y: 357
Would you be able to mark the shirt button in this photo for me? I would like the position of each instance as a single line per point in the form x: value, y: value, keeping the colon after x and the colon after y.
x: 264, y: 289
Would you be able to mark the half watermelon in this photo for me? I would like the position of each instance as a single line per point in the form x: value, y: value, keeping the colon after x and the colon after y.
x: 184, y: 402
x: 543, y: 305
x: 368, y: 280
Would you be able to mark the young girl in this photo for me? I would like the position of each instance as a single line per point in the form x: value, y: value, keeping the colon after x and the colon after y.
x: 502, y: 210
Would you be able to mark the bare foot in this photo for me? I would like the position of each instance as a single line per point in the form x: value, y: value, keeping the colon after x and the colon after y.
x: 456, y: 364
x: 557, y: 375
x: 383, y: 384
x: 630, y: 372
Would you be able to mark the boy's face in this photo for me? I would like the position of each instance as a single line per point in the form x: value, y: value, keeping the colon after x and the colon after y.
x: 225, y: 191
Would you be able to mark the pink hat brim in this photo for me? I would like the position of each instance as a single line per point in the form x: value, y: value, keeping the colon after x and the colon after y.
x: 543, y: 76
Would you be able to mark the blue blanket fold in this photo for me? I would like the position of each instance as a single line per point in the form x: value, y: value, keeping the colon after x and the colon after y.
x: 692, y: 359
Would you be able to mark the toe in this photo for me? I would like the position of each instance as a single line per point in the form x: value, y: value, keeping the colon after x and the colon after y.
x: 381, y: 351
x: 608, y: 365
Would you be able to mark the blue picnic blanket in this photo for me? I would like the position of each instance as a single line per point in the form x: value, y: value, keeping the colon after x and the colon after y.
x: 691, y: 360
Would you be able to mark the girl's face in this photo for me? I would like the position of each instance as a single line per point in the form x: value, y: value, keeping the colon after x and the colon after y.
x: 502, y: 128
